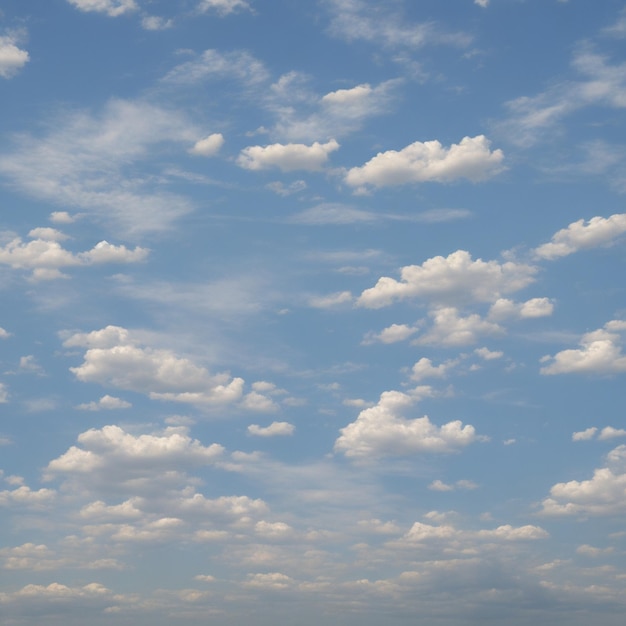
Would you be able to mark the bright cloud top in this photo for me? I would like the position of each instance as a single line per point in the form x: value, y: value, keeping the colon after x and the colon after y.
x: 381, y: 431
x: 12, y: 58
x: 600, y: 353
x: 471, y: 159
x: 287, y: 157
x: 581, y: 235
x: 455, y: 278
x: 112, y: 8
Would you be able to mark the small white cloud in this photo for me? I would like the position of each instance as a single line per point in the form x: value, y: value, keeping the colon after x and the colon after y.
x: 209, y: 146
x: 4, y: 394
x: 331, y: 300
x: 455, y: 278
x: 105, y: 403
x: 438, y: 485
x: 482, y: 3
x: 275, y: 429
x: 488, y: 355
x: 424, y: 368
x: 61, y: 217
x: 381, y: 431
x: 600, y: 353
x: 12, y: 58
x: 222, y: 7
x: 29, y: 364
x: 286, y: 190
x: 113, y: 8
x: 391, y: 334
x: 451, y: 329
x: 471, y: 159
x: 584, y: 435
x: 287, y: 157
x: 608, y: 432
x: 4, y: 334
x: 153, y: 22
x: 504, y: 308
x: 598, y: 231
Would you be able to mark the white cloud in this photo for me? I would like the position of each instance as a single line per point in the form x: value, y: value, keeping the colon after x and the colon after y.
x: 482, y: 3
x: 12, y: 58
x: 357, y: 20
x: 222, y: 7
x: 451, y: 329
x: 598, y: 231
x: 424, y: 368
x: 113, y: 8
x: 212, y: 64
x: 44, y: 255
x: 107, y: 403
x: 4, y: 334
x: 455, y: 278
x: 391, y: 334
x: 603, y: 494
x: 584, y: 435
x: 24, y: 496
x: 466, y: 485
x: 116, y: 360
x: 503, y: 308
x: 287, y: 157
x: 382, y: 431
x: 209, y: 146
x: 608, y: 432
x: 88, y: 161
x: 255, y: 401
x: 488, y: 355
x: 600, y: 353
x: 111, y: 448
x: 421, y: 532
x: 154, y: 22
x: 601, y: 84
x: 275, y: 429
x: 331, y: 300
x: 61, y: 217
x: 4, y: 394
x: 286, y: 190
x: 471, y: 159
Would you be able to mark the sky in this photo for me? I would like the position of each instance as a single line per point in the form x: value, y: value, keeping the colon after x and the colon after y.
x: 312, y: 311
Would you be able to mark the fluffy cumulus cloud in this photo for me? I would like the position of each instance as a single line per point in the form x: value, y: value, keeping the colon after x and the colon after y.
x: 424, y: 368
x: 600, y: 352
x: 209, y: 146
x: 602, y: 494
x: 275, y: 429
x: 391, y: 334
x: 116, y: 359
x: 449, y: 328
x: 287, y: 157
x: 112, y: 449
x: 112, y: 8
x: 12, y: 58
x: 451, y: 279
x: 45, y: 256
x: 504, y: 308
x: 471, y: 159
x: 580, y: 235
x: 382, y: 430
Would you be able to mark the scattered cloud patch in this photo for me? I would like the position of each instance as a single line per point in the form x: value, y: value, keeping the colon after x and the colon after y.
x: 600, y: 353
x: 12, y: 58
x: 287, y: 157
x: 107, y: 403
x: 112, y: 8
x: 381, y: 431
x: 222, y: 7
x: 581, y: 235
x: 275, y: 429
x: 471, y: 159
x: 391, y: 334
x: 209, y: 146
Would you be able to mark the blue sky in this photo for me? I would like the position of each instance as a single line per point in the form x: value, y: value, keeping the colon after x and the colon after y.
x: 312, y: 312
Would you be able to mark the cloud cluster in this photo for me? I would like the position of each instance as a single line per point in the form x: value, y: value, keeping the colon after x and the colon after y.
x: 45, y: 256
x: 456, y: 278
x: 112, y: 8
x: 603, y: 494
x: 471, y: 159
x: 12, y: 58
x: 287, y: 157
x: 581, y: 235
x: 114, y: 358
x: 381, y: 431
x: 600, y: 353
